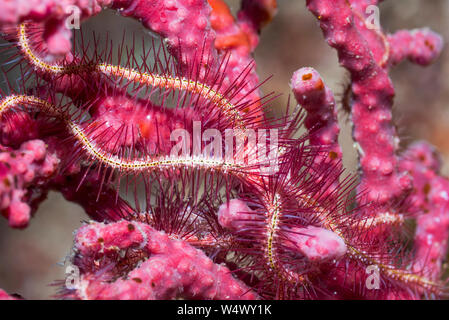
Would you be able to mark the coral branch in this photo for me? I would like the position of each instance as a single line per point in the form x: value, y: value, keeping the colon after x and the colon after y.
x: 172, y: 269
x: 53, y: 14
x: 5, y: 296
x: 430, y: 200
x: 24, y: 173
x: 240, y: 36
x: 372, y: 99
x: 362, y: 51
x: 185, y: 25
x: 421, y: 46
x: 321, y: 121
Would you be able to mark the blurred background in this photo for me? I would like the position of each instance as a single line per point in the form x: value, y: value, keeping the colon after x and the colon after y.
x: 30, y: 259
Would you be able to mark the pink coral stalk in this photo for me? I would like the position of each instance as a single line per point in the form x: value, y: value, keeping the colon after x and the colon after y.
x: 430, y: 200
x: 321, y: 121
x: 173, y: 268
x: 372, y: 98
x: 420, y: 46
x: 21, y: 172
x: 362, y: 51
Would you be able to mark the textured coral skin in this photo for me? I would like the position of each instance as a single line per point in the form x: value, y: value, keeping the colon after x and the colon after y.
x: 372, y: 90
x: 421, y: 46
x: 372, y: 99
x: 207, y: 228
x: 321, y: 121
x: 182, y: 23
x: 22, y: 169
x: 174, y: 269
x: 239, y: 37
x: 431, y: 200
x: 52, y: 13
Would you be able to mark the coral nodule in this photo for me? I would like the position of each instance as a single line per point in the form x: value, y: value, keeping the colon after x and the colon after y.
x: 142, y: 138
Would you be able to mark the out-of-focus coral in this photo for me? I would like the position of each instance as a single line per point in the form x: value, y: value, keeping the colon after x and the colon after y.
x: 53, y: 13
x: 430, y: 200
x: 321, y: 121
x: 5, y: 296
x: 24, y: 173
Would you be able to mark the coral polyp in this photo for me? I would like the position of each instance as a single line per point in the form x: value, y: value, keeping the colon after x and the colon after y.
x: 192, y: 189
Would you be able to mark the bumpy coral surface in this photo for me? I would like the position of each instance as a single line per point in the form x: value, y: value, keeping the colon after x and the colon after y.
x: 142, y: 137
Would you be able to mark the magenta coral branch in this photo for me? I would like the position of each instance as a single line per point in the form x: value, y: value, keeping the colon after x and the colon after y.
x: 372, y: 101
x: 53, y: 14
x: 362, y: 50
x: 172, y: 269
x: 430, y: 201
x: 321, y: 122
x: 5, y: 296
x: 421, y: 46
x: 23, y: 173
x: 184, y: 24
